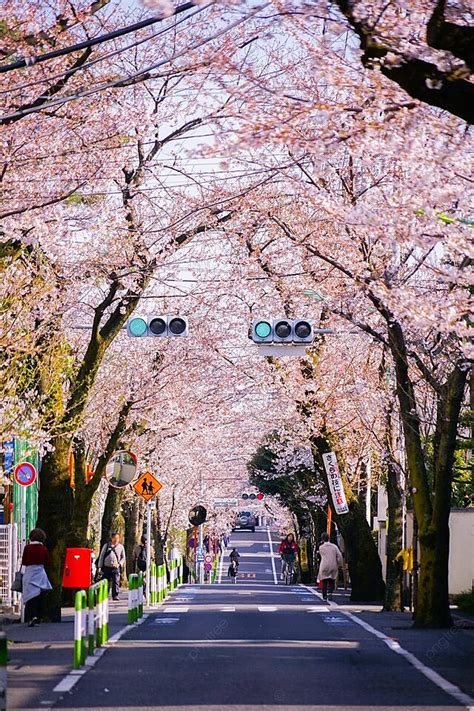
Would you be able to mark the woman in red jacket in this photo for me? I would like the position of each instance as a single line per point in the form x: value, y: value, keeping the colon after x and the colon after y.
x: 35, y: 581
x: 288, y: 551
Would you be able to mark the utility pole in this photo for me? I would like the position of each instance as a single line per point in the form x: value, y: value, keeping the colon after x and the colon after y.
x: 150, y: 505
x: 368, y: 473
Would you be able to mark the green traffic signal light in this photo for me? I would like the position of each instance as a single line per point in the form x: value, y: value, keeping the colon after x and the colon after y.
x: 263, y: 329
x: 137, y: 327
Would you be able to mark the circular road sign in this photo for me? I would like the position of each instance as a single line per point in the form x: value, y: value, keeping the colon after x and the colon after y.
x: 208, y: 566
x: 25, y: 474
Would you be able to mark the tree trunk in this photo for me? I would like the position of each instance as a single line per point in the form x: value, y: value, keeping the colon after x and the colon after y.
x: 432, y: 514
x: 393, y: 586
x: 433, y: 593
x: 55, y: 507
x: 365, y: 568
x: 112, y: 518
x: 133, y: 514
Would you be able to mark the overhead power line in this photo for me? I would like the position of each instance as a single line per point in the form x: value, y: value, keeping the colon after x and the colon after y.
x: 122, y: 81
x: 109, y: 55
x: 29, y: 61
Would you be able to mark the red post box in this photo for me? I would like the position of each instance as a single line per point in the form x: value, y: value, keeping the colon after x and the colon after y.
x: 78, y: 568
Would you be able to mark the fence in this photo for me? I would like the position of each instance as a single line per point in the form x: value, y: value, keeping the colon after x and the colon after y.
x: 160, y: 586
x: 91, y: 621
x: 8, y: 563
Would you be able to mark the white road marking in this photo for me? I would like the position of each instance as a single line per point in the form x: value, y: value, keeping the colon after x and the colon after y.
x: 72, y: 678
x: 227, y: 609
x: 267, y: 608
x: 166, y: 620
x: 275, y: 579
x: 176, y: 608
x: 322, y: 608
x: 431, y: 674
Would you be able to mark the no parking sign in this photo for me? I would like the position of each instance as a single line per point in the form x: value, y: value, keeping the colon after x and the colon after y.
x: 25, y: 474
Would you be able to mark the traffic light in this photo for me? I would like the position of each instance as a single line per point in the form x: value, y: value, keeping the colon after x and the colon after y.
x: 282, y: 330
x: 252, y: 496
x: 157, y: 326
x: 259, y: 496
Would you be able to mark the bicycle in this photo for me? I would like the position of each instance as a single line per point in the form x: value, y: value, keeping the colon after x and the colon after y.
x: 288, y: 570
x: 233, y: 570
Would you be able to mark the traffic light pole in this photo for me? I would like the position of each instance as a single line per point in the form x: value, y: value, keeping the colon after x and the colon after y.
x: 148, y: 553
x: 201, y: 565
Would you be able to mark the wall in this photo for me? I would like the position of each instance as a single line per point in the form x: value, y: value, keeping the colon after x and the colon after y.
x: 461, y: 548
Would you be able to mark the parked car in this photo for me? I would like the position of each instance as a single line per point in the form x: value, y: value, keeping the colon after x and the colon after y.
x: 244, y: 520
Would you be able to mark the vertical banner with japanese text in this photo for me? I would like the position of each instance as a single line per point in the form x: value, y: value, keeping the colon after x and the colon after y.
x: 335, y: 483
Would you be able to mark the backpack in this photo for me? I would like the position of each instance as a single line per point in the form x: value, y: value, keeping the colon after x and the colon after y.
x: 110, y: 558
x: 141, y: 559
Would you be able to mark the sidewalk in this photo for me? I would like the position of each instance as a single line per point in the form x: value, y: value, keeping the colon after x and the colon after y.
x: 39, y: 657
x: 449, y: 652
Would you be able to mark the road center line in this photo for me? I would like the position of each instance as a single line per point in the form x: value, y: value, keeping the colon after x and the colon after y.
x: 275, y: 579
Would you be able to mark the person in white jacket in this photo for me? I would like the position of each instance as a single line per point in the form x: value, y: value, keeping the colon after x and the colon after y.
x: 331, y: 561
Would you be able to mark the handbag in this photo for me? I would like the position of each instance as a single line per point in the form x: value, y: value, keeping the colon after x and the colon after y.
x: 17, y: 585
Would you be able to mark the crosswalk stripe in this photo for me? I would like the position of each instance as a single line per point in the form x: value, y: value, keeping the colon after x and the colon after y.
x: 267, y: 608
x: 227, y: 609
x: 176, y: 608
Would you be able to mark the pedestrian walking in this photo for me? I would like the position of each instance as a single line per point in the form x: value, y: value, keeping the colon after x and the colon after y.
x: 35, y: 560
x: 139, y: 559
x: 112, y: 563
x: 331, y: 560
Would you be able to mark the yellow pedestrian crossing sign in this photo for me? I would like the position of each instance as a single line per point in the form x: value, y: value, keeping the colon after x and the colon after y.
x: 147, y: 486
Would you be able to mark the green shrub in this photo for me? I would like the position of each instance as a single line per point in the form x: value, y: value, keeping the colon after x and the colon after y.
x: 465, y: 601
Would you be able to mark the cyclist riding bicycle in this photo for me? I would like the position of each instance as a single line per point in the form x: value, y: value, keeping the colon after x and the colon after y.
x: 288, y: 551
x: 234, y: 556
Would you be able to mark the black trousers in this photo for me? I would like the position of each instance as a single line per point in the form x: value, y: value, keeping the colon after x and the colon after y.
x: 113, y: 577
x: 34, y: 608
x: 328, y: 587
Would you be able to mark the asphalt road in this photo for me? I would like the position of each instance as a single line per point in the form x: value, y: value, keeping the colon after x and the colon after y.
x: 250, y: 646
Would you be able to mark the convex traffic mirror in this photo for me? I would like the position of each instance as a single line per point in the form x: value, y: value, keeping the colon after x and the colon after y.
x: 121, y: 469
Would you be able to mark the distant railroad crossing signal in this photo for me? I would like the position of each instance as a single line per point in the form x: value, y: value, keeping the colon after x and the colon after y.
x: 147, y: 486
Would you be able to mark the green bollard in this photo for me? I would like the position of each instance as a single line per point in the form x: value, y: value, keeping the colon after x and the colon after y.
x: 92, y: 632
x: 153, y: 583
x: 140, y: 595
x: 132, y: 586
x: 104, y: 601
x: 80, y: 631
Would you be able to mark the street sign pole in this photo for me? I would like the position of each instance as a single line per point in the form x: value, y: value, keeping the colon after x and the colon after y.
x: 148, y: 553
x: 201, y: 565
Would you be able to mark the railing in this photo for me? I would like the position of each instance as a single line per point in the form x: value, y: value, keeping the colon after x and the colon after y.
x: 160, y: 586
x: 91, y: 621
